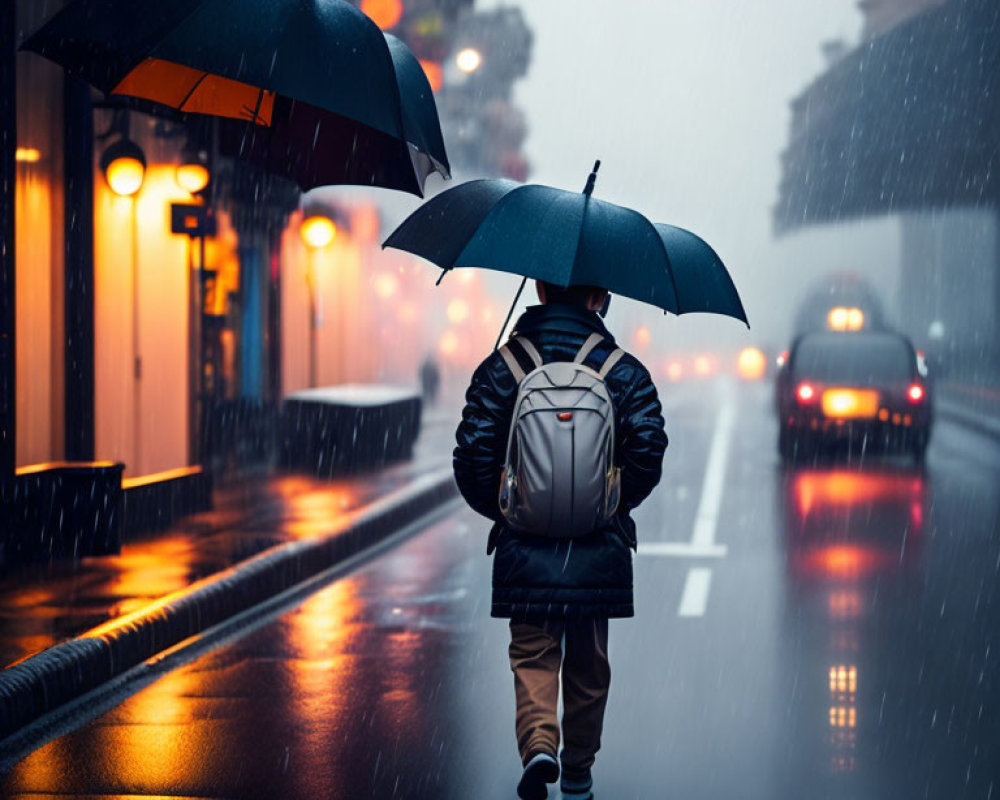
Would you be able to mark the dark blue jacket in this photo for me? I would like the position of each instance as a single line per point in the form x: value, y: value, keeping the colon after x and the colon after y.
x: 536, y: 577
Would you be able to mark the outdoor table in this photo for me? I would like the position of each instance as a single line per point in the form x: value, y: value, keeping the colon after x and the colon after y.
x: 334, y: 430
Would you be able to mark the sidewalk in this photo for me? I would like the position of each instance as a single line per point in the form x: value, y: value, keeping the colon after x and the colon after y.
x: 44, y: 604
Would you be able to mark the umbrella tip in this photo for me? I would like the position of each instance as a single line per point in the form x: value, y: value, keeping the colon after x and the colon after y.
x: 589, y: 188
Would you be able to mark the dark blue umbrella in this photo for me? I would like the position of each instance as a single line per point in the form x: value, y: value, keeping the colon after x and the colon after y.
x: 327, y: 96
x: 569, y: 239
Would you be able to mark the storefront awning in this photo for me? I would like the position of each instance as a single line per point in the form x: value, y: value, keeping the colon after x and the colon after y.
x: 909, y: 120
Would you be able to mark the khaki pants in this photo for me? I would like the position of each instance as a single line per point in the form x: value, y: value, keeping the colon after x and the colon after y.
x: 535, y: 656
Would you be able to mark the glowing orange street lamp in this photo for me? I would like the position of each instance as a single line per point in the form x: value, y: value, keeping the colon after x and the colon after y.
x: 317, y: 231
x: 192, y: 173
x: 124, y: 167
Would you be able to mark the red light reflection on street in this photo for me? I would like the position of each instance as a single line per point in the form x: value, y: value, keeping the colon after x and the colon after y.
x: 845, y: 489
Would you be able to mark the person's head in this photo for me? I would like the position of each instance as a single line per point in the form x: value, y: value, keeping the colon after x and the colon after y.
x: 588, y: 297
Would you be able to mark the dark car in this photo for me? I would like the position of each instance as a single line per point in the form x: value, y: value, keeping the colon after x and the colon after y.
x: 862, y: 388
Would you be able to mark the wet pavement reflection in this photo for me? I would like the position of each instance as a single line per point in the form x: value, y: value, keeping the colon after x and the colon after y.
x: 41, y: 605
x: 847, y: 650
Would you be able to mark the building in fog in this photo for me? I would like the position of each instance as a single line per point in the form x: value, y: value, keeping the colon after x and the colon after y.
x: 906, y: 124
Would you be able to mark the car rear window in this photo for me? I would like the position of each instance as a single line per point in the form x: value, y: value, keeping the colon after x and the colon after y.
x: 868, y: 360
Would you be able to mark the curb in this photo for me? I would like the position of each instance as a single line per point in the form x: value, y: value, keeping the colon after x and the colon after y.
x: 67, y: 670
x: 970, y: 419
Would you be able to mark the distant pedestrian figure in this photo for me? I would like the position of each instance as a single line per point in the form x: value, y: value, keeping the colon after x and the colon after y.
x: 430, y: 379
x: 555, y: 578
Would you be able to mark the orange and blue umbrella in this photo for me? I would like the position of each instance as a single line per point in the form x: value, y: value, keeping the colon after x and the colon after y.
x: 325, y: 96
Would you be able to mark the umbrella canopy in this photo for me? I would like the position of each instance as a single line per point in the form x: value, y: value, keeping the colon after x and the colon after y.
x: 569, y: 239
x: 319, y: 73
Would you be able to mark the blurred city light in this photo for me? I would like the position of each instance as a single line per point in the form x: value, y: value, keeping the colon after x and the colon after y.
x: 751, y: 364
x: 434, y: 73
x: 458, y: 311
x: 469, y: 60
x: 385, y: 285
x: 642, y: 337
x: 448, y: 344
x: 27, y: 155
x: 192, y: 173
x: 384, y: 13
x: 318, y: 231
x: 704, y: 365
x: 124, y: 167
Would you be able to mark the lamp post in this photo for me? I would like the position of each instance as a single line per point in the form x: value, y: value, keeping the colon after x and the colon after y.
x: 317, y: 232
x: 193, y: 175
x: 124, y: 166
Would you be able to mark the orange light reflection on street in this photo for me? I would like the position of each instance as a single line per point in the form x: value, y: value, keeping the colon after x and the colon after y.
x: 845, y: 561
x: 318, y: 512
x: 845, y: 604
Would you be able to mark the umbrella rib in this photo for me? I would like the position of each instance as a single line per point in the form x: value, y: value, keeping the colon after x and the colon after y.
x: 192, y: 90
x: 670, y: 266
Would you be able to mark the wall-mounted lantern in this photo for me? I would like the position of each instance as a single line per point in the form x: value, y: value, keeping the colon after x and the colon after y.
x: 124, y: 167
x: 192, y: 174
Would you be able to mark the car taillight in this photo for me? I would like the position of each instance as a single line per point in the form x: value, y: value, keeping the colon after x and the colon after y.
x: 805, y: 393
x: 915, y: 393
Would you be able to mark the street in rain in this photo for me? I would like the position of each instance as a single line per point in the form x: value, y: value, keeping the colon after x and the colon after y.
x: 410, y: 399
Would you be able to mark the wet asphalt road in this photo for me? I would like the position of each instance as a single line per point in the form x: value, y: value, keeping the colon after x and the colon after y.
x: 820, y: 633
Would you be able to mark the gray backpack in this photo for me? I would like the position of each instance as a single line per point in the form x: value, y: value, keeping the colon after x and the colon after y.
x: 559, y: 477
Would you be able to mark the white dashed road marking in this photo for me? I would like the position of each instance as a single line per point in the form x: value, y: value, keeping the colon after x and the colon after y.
x: 702, y: 543
x: 695, y: 596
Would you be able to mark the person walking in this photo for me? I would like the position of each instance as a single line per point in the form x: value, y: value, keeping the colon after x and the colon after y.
x: 559, y: 592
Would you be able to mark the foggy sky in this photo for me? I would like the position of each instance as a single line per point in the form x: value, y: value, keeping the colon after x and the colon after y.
x: 686, y: 104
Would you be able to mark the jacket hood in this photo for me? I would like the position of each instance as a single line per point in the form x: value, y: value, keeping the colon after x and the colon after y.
x: 561, y: 318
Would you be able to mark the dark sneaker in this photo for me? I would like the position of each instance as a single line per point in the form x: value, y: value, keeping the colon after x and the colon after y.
x: 577, y: 785
x: 540, y: 770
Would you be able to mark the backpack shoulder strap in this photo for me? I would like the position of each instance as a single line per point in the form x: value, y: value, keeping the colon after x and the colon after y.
x: 512, y: 364
x: 530, y: 349
x: 586, y: 347
x: 613, y: 358
x: 511, y: 360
